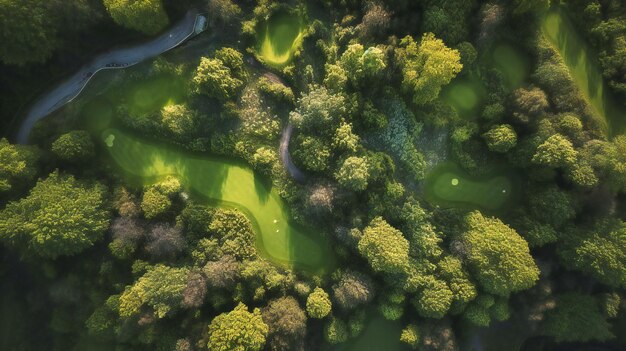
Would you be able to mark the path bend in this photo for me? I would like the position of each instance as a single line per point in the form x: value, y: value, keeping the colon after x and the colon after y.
x: 285, y: 156
x: 119, y: 58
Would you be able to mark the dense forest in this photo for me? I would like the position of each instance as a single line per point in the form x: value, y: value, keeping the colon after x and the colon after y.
x: 313, y: 175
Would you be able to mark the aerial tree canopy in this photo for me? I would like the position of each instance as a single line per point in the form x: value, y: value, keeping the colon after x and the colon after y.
x: 160, y: 288
x: 28, y: 33
x: 498, y: 256
x: 146, y: 16
x: 576, y: 317
x: 18, y: 165
x: 74, y: 146
x: 598, y: 250
x: 384, y: 247
x: 61, y: 216
x: 426, y: 67
x: 318, y: 304
x: 238, y: 330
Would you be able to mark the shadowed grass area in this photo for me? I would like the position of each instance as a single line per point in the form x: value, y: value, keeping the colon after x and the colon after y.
x: 583, y: 67
x: 466, y: 95
x: 232, y: 184
x: 279, y: 37
x: 378, y: 334
x: 448, y: 185
x: 140, y: 96
x: 512, y: 63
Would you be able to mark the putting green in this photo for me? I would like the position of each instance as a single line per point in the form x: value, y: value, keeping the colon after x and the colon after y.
x: 231, y: 184
x: 448, y: 185
x: 466, y: 95
x: 279, y: 37
x: 583, y: 67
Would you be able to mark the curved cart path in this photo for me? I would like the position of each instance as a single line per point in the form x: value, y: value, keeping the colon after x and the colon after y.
x: 295, y: 173
x: 120, y: 58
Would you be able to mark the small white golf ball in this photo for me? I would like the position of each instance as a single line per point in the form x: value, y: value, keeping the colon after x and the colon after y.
x: 455, y: 182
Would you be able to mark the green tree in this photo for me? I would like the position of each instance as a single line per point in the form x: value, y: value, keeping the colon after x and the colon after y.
x: 556, y: 151
x: 426, y: 67
x: 336, y: 78
x: 318, y: 110
x: 234, y: 233
x: 178, y: 120
x: 529, y: 104
x: 74, y: 146
x: 157, y: 198
x: 434, y: 300
x: 552, y: 206
x: 598, y: 249
x: 286, y: 322
x: 360, y: 64
x: 345, y: 139
x: 18, y: 165
x: 238, y: 330
x: 160, y: 288
x: 59, y: 217
x: 609, y: 158
x: 410, y: 336
x: 384, y: 247
x: 312, y: 153
x: 391, y: 305
x: 576, y: 318
x: 154, y: 203
x: 224, y: 11
x: 336, y: 331
x: 501, y: 138
x: 214, y: 79
x: 499, y: 258
x: 233, y: 59
x: 318, y: 304
x: 146, y: 16
x: 29, y: 33
x: 354, y: 173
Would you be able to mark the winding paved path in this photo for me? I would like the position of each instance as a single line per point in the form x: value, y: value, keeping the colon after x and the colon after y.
x: 295, y: 173
x: 120, y: 58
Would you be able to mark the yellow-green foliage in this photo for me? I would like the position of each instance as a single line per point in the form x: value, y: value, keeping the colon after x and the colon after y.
x: 426, y: 67
x: 147, y: 16
x: 160, y: 288
x: 384, y: 247
x: 318, y: 304
x: 59, y: 217
x: 17, y: 164
x: 238, y: 330
x: 410, y: 335
x: 156, y: 198
x: 497, y: 255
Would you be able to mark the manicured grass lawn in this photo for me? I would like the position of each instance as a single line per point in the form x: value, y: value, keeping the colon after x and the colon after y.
x: 448, y: 185
x: 279, y: 37
x: 231, y: 184
x: 512, y: 63
x: 583, y: 67
x: 466, y: 95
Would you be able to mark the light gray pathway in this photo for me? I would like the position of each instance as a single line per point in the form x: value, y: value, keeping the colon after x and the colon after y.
x: 295, y: 173
x: 120, y: 58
